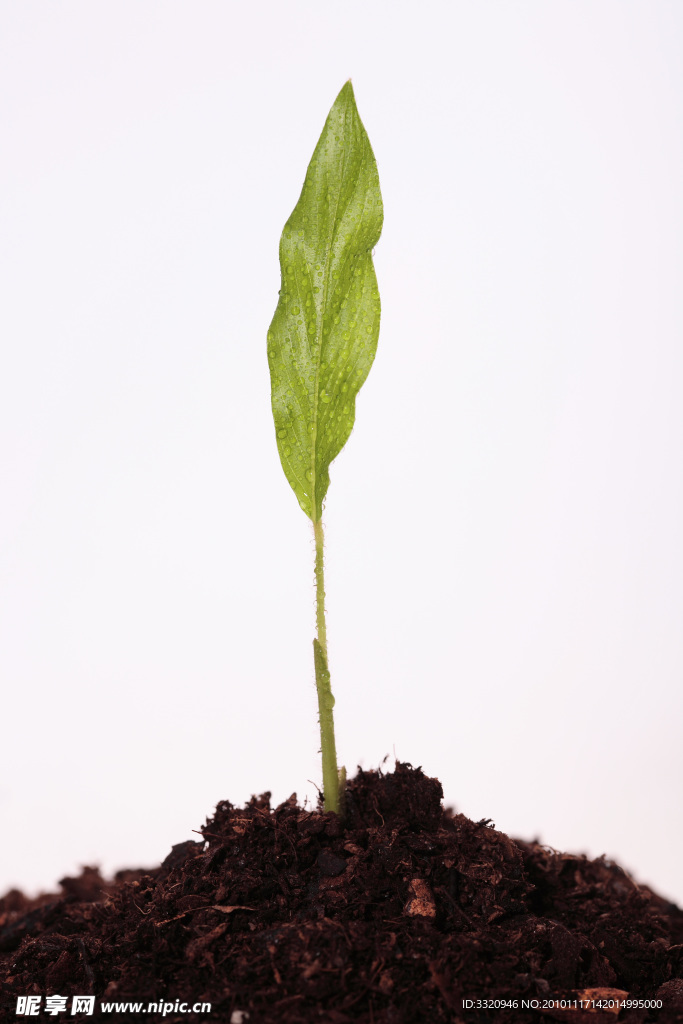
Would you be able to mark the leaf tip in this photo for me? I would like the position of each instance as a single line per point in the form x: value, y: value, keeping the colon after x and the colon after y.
x: 347, y: 89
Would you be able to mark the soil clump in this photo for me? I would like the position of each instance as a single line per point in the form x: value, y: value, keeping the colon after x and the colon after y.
x: 397, y: 915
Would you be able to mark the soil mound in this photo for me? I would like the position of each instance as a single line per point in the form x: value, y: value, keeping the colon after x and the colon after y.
x: 405, y: 913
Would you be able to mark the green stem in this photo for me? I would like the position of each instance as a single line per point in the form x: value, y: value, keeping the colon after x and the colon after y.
x: 322, y: 682
x: 320, y: 585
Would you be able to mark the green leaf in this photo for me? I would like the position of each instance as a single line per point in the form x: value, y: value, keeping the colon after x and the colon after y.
x: 323, y: 337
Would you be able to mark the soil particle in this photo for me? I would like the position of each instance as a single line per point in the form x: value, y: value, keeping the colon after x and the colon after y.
x: 403, y: 913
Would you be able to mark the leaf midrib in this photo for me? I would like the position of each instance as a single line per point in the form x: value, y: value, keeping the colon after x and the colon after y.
x: 319, y: 333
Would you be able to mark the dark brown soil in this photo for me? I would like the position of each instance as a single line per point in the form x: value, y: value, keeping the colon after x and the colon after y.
x: 397, y: 916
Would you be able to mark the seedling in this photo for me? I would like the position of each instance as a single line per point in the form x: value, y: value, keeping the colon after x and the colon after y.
x: 321, y: 345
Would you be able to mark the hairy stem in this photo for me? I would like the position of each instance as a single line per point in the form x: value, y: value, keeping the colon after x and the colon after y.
x: 322, y: 682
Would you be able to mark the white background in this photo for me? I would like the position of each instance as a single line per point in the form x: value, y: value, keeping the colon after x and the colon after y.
x: 505, y: 566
